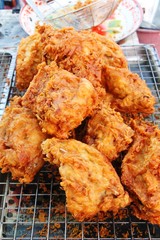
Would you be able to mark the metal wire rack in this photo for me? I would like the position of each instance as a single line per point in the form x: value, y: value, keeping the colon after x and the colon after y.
x: 37, y: 211
x: 7, y: 64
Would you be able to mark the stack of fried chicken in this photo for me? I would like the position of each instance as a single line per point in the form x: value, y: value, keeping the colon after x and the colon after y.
x: 81, y: 108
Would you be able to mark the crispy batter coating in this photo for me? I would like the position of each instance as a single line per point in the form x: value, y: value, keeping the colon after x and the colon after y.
x: 82, y: 53
x: 59, y: 99
x: 130, y: 93
x: 29, y: 55
x: 72, y: 77
x: 107, y: 132
x: 20, y: 143
x: 89, y: 180
x: 141, y: 171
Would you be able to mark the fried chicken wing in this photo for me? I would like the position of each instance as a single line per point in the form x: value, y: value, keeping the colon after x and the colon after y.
x: 60, y: 100
x: 29, y: 55
x: 89, y: 180
x: 130, y: 93
x: 141, y: 171
x: 20, y: 143
x: 107, y: 132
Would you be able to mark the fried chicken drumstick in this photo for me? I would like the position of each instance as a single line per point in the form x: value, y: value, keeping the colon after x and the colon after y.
x: 141, y: 171
x: 89, y: 180
x: 20, y: 143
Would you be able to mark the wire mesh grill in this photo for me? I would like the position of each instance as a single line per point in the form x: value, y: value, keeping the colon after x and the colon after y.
x: 37, y: 210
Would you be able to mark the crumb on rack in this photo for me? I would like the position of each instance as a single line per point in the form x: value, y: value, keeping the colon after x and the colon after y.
x: 41, y: 215
x: 8, y: 81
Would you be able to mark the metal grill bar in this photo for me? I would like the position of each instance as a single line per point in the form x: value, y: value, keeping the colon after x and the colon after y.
x: 7, y: 64
x: 37, y: 211
x: 18, y: 212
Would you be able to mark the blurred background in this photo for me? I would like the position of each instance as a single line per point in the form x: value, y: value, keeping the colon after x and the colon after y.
x: 147, y: 33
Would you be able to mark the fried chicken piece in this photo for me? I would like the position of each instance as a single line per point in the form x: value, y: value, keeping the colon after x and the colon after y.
x: 82, y: 53
x: 107, y: 132
x: 60, y: 100
x: 89, y: 180
x: 29, y: 55
x: 141, y: 171
x: 130, y: 93
x: 20, y: 143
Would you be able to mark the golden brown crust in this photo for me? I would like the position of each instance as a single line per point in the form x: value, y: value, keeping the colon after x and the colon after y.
x: 130, y: 93
x: 29, y: 55
x: 89, y: 180
x: 83, y: 53
x: 140, y: 171
x: 60, y: 100
x: 69, y: 75
x: 20, y: 140
x: 87, y: 55
x: 107, y: 132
